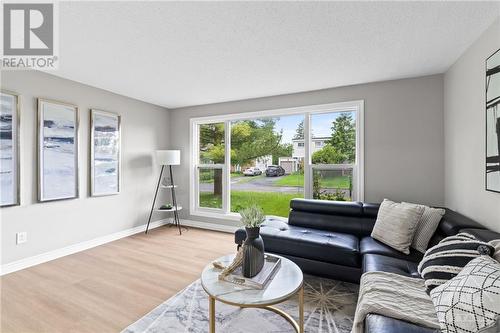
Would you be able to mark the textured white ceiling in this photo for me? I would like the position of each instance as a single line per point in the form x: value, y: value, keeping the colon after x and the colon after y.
x: 178, y: 54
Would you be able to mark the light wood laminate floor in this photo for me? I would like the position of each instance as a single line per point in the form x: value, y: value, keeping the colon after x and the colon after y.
x: 106, y: 288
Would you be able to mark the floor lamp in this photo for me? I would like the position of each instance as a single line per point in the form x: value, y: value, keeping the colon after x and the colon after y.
x: 167, y: 158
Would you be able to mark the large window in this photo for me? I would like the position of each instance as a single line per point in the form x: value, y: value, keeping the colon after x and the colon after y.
x: 210, y: 165
x: 333, y: 158
x: 271, y: 157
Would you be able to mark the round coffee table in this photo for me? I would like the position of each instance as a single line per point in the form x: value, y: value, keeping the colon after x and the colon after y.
x: 286, y: 282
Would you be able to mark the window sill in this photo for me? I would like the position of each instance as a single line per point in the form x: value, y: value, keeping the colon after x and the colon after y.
x: 215, y: 215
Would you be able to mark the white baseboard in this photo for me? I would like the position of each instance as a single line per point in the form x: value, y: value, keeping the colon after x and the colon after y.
x: 51, y: 255
x: 65, y: 251
x: 209, y: 226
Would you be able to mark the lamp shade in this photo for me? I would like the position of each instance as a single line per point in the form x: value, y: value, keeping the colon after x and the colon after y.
x: 168, y: 157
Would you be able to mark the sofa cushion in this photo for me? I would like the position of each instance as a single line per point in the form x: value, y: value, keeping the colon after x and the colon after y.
x: 326, y: 269
x: 375, y: 323
x: 396, y: 224
x: 379, y: 263
x: 332, y: 247
x: 426, y: 226
x: 471, y: 300
x: 445, y: 260
x: 370, y: 245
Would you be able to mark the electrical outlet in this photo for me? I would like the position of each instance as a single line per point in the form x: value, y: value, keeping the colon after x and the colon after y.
x: 21, y: 237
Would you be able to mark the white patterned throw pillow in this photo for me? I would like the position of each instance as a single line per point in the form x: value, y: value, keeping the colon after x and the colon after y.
x: 470, y: 302
x: 426, y: 226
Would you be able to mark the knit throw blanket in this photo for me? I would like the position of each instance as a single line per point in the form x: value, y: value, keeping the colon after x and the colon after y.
x: 395, y: 296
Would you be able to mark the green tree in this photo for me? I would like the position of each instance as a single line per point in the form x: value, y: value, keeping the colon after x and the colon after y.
x: 249, y: 140
x: 344, y: 136
x: 328, y: 155
x: 212, y: 150
x: 299, y: 132
x: 212, y: 143
x: 253, y: 139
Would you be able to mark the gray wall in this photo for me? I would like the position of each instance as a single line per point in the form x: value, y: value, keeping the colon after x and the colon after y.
x: 464, y: 114
x: 404, y: 157
x: 53, y: 225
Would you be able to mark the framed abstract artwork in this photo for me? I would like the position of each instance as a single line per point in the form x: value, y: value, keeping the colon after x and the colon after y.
x: 105, y: 164
x: 57, y: 150
x: 9, y: 149
x: 493, y: 122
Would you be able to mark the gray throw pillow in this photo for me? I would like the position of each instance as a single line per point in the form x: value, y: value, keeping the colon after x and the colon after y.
x: 470, y: 302
x: 426, y: 226
x: 396, y: 224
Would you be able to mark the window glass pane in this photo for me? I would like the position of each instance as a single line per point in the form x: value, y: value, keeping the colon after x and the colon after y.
x: 333, y: 138
x: 333, y: 184
x: 211, y: 143
x: 267, y: 163
x: 210, y: 188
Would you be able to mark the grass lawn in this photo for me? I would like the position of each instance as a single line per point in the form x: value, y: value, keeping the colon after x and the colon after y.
x: 272, y: 203
x: 298, y: 180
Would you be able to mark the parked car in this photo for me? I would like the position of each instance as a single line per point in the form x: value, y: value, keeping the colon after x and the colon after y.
x: 274, y: 171
x: 253, y: 171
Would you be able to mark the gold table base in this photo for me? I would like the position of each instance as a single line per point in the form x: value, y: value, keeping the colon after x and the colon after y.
x: 299, y: 327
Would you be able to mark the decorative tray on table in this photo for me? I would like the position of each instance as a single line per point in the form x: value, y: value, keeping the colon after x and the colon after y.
x: 259, y: 281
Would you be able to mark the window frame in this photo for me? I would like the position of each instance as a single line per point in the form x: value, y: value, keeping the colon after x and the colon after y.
x: 225, y: 213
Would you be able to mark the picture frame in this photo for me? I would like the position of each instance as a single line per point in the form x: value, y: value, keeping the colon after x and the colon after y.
x: 10, y: 178
x: 57, y: 150
x: 492, y: 107
x: 105, y: 153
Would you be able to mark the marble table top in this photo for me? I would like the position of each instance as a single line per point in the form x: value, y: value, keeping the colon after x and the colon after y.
x: 286, y: 282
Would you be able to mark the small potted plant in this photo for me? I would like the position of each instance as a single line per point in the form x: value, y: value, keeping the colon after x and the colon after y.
x: 253, y: 248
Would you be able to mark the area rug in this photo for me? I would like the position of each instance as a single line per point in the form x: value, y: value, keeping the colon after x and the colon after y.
x: 329, y: 307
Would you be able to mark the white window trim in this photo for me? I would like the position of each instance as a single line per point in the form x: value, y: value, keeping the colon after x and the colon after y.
x: 224, y: 213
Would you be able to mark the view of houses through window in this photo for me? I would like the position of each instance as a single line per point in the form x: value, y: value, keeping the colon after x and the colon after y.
x: 268, y: 159
x: 333, y: 155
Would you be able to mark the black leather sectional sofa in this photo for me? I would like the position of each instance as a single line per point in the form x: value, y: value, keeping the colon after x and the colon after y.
x: 332, y: 239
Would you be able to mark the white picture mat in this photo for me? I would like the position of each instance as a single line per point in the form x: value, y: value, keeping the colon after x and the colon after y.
x: 57, y: 150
